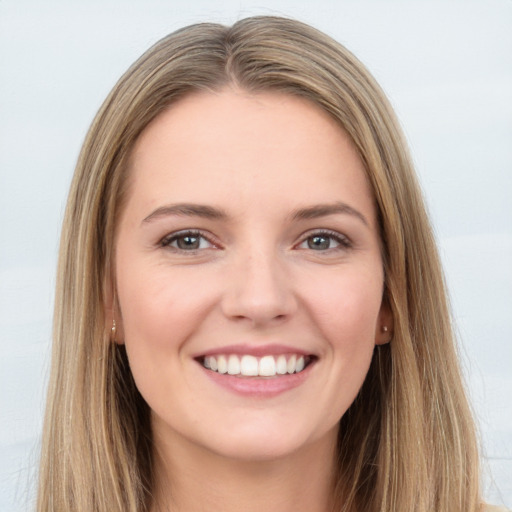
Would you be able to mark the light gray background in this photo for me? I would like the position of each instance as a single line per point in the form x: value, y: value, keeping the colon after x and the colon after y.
x: 447, y: 67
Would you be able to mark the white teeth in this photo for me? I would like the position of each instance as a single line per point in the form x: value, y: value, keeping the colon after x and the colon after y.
x: 233, y: 365
x: 222, y: 364
x: 281, y: 366
x: 267, y: 366
x: 290, y: 367
x: 251, y: 366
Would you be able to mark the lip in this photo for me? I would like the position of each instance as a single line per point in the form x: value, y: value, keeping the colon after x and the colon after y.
x: 254, y: 350
x: 258, y: 387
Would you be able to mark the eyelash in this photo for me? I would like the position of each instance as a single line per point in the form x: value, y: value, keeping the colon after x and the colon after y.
x: 174, y: 237
x: 342, y: 241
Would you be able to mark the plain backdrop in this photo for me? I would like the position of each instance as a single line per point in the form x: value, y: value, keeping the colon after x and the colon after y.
x: 447, y: 68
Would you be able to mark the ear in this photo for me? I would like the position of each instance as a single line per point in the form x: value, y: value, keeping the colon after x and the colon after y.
x: 113, y: 320
x: 385, y: 325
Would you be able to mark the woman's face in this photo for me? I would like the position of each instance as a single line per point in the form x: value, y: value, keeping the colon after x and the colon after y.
x: 249, y: 274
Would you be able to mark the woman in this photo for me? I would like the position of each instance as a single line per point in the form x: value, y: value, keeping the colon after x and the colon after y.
x: 250, y: 309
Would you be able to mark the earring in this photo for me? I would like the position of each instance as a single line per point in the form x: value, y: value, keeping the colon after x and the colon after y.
x: 113, y: 331
x: 385, y: 330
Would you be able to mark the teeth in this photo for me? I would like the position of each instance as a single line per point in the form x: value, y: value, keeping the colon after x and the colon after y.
x: 250, y: 366
x: 222, y: 363
x: 290, y: 367
x: 281, y: 366
x: 233, y: 365
x: 292, y: 362
x: 267, y: 366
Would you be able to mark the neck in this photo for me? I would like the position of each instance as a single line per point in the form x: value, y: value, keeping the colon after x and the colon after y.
x: 191, y: 479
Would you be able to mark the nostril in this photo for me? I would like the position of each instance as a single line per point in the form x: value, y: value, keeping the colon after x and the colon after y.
x: 259, y: 293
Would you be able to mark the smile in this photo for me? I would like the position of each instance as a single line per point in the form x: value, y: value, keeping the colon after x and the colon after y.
x: 252, y: 366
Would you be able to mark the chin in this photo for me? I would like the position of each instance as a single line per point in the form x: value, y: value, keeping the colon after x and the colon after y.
x: 268, y: 443
x: 257, y: 449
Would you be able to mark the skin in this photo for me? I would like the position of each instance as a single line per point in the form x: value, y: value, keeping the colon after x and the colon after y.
x: 256, y: 278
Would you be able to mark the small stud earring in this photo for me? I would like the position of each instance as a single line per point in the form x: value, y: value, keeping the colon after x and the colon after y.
x: 113, y: 331
x: 384, y: 328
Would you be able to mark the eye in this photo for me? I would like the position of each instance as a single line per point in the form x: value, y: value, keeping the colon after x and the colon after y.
x: 187, y: 241
x: 324, y: 241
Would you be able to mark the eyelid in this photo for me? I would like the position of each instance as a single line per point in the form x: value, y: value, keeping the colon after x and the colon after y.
x: 168, y: 239
x: 343, y: 240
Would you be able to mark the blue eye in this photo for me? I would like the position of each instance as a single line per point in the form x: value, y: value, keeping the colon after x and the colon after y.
x: 187, y: 241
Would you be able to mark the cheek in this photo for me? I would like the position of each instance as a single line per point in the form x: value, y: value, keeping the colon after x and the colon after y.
x: 161, y: 311
x: 346, y: 306
x: 161, y: 308
x: 346, y: 312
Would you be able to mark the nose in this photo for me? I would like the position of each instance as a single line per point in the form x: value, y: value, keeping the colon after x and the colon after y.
x: 259, y: 290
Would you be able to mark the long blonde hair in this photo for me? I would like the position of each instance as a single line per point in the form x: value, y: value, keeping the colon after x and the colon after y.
x: 407, y: 443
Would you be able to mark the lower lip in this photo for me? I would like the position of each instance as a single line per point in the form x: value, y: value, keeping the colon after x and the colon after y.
x: 260, y: 387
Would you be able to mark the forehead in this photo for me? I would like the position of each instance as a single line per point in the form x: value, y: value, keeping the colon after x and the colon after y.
x: 262, y: 147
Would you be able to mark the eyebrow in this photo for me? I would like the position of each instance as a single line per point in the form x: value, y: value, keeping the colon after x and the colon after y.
x: 187, y: 210
x: 322, y: 210
x: 210, y: 212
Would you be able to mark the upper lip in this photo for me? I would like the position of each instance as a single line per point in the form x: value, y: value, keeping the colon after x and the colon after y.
x: 254, y: 350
